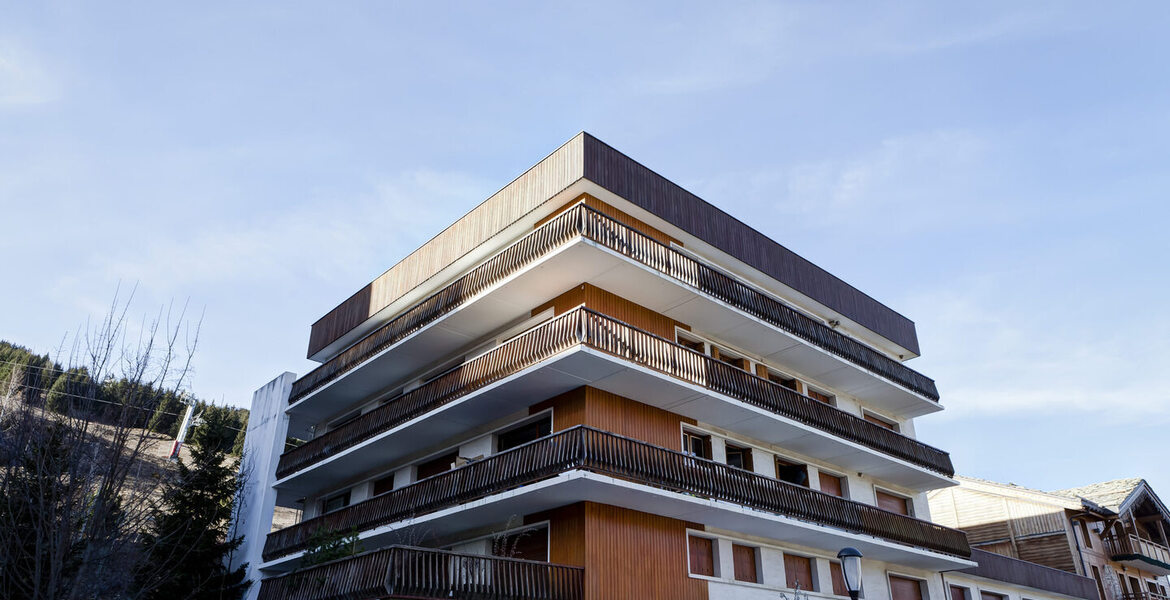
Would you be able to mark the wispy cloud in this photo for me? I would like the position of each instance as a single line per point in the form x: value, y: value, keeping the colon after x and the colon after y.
x: 25, y: 79
x: 996, y: 353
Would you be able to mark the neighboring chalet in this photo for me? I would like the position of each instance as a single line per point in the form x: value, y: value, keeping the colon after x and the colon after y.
x: 597, y: 385
x: 1114, y: 532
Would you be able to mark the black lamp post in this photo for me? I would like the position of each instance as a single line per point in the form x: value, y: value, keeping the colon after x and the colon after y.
x: 851, y: 569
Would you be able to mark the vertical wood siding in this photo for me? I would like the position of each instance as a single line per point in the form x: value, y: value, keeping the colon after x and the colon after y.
x: 528, y: 191
x: 615, y: 306
x: 626, y: 553
x: 615, y: 214
x: 613, y: 413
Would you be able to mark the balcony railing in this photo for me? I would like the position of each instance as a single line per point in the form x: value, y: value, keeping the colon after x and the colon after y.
x: 588, y: 449
x: 582, y: 221
x: 407, y: 572
x: 1130, y: 546
x: 1142, y: 596
x: 594, y: 330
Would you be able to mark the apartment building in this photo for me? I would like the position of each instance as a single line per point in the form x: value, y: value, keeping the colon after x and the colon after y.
x: 1113, y: 532
x: 597, y: 385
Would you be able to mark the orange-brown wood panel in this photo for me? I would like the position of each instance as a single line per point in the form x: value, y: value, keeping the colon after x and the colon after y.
x: 630, y: 554
x: 566, y: 533
x: 615, y: 306
x: 614, y: 214
x: 616, y: 414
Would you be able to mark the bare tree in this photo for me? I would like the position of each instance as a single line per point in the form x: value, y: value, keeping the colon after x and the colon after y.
x: 73, y: 495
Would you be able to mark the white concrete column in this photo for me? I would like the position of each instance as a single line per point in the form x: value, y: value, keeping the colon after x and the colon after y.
x: 772, y: 565
x: 823, y: 575
x: 718, y: 449
x: 724, y: 559
x: 481, y: 446
x: 763, y: 462
x: 263, y: 445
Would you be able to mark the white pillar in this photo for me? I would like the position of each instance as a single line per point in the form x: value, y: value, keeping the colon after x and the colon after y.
x: 263, y: 445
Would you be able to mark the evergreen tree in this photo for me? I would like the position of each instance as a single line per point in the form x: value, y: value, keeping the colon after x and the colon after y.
x: 69, y: 392
x: 170, y: 408
x: 187, y: 544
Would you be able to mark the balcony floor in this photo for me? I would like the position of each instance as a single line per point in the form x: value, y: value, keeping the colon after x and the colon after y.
x: 585, y: 366
x: 576, y: 486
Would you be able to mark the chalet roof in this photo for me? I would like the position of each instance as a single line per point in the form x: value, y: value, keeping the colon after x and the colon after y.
x: 1060, y: 499
x: 1108, y: 494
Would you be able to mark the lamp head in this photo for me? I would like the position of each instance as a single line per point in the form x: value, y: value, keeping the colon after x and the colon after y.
x: 851, y: 570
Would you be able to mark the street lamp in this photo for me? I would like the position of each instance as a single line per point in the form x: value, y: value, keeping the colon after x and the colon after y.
x: 851, y: 569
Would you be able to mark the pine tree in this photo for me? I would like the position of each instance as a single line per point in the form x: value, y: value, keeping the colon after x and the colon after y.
x: 186, y: 547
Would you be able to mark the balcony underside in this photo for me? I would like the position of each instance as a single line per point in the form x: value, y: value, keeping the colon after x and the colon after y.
x: 583, y: 261
x: 577, y: 486
x: 1143, y: 563
x: 585, y: 366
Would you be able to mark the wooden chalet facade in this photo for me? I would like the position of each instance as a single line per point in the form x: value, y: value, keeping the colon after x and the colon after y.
x: 1113, y: 532
x: 596, y: 385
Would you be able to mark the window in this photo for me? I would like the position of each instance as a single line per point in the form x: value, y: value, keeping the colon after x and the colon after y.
x: 798, y: 571
x: 730, y: 358
x: 1152, y: 587
x: 880, y: 421
x: 893, y: 503
x: 986, y: 595
x: 792, y: 472
x: 838, y: 576
x: 1100, y: 585
x: 335, y: 502
x: 702, y: 551
x: 693, y: 343
x: 745, y: 563
x: 524, y: 434
x: 1088, y: 541
x: 821, y: 397
x: 697, y: 444
x: 960, y: 593
x: 344, y: 419
x: 437, y: 465
x: 739, y: 457
x: 832, y: 484
x: 528, y: 544
x: 383, y: 485
x: 904, y: 588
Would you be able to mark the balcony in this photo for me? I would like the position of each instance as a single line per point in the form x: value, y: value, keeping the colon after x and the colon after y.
x: 630, y: 362
x: 531, y: 477
x: 804, y: 342
x: 1135, y: 551
x: 425, y: 573
x: 1142, y: 596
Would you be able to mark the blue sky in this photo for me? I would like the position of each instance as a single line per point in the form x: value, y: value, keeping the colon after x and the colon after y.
x: 995, y: 171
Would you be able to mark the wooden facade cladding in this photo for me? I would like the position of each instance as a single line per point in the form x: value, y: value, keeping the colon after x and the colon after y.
x: 619, y: 547
x: 584, y: 222
x: 584, y: 327
x: 535, y: 187
x: 612, y: 305
x: 613, y: 413
x: 587, y: 449
x: 616, y: 215
x: 585, y: 157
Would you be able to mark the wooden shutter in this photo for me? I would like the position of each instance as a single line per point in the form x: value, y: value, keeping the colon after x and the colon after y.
x: 958, y: 593
x: 904, y: 588
x: 880, y: 422
x: 437, y: 465
x: 893, y: 503
x: 831, y: 484
x: 702, y: 556
x: 745, y: 563
x: 383, y: 485
x: 798, y: 569
x: 838, y: 575
x: 825, y: 398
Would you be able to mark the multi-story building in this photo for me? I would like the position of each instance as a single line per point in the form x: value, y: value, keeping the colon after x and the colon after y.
x: 1114, y: 532
x: 597, y: 385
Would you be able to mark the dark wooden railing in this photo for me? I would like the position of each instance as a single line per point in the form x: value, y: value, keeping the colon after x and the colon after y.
x: 582, y: 221
x: 1130, y: 545
x: 603, y: 333
x: 585, y: 448
x: 408, y: 572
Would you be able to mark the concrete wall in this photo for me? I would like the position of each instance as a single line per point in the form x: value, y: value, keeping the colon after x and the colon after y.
x: 263, y: 445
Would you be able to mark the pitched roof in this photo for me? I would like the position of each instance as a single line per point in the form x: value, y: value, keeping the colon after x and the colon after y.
x: 1109, y: 494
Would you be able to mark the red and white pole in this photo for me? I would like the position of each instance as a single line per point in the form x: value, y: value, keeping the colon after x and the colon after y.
x: 179, y: 439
